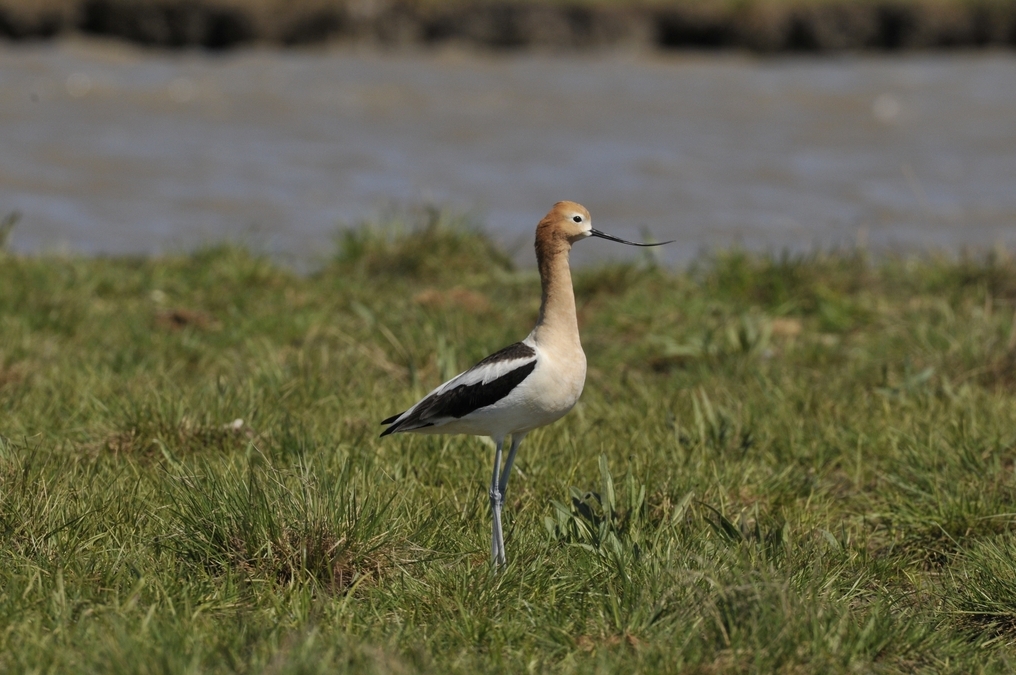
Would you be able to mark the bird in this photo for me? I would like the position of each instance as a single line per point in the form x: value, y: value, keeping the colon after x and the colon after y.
x: 526, y: 385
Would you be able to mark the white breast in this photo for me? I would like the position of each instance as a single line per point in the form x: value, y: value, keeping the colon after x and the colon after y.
x: 551, y: 391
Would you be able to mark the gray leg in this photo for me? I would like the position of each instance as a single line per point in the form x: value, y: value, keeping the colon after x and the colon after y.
x: 496, y: 500
x: 498, y: 489
x: 507, y: 473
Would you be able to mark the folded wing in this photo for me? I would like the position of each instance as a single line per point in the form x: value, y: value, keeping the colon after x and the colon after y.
x: 483, y: 385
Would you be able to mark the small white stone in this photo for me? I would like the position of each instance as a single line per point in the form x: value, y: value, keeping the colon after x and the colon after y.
x: 886, y: 108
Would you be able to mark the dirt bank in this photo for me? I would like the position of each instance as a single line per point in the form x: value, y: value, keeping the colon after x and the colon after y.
x: 760, y: 25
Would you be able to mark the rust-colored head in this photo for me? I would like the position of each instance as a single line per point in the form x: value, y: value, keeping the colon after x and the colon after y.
x: 568, y: 222
x: 564, y: 224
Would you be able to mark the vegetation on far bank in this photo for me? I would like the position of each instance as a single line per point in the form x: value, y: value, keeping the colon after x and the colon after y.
x: 779, y: 464
x: 756, y: 25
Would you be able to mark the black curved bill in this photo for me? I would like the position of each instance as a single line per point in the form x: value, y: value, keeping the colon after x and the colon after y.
x: 601, y: 235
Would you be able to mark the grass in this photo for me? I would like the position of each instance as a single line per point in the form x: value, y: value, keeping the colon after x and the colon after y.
x: 780, y: 464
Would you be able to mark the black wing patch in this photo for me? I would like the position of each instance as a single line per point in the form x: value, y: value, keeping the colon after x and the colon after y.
x: 389, y: 420
x: 466, y: 398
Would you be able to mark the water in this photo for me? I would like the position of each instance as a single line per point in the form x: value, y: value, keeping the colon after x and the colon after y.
x: 106, y: 148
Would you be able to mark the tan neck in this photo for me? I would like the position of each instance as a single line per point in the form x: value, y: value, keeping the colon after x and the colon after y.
x: 557, y: 325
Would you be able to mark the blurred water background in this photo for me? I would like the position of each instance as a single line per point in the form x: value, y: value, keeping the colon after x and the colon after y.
x: 110, y: 149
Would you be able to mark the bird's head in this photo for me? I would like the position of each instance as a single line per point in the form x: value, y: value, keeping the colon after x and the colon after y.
x: 569, y: 221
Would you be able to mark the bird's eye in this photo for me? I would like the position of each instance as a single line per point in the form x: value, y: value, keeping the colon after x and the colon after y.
x: 577, y: 219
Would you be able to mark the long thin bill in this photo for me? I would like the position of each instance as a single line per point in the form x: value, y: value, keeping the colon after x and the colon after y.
x: 601, y: 235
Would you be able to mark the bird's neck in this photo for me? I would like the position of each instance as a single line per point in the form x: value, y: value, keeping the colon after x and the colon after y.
x: 557, y: 325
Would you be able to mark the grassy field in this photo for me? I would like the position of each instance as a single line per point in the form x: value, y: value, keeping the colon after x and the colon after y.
x: 790, y: 464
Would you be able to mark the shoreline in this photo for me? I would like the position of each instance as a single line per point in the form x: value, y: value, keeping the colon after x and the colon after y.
x: 774, y: 27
